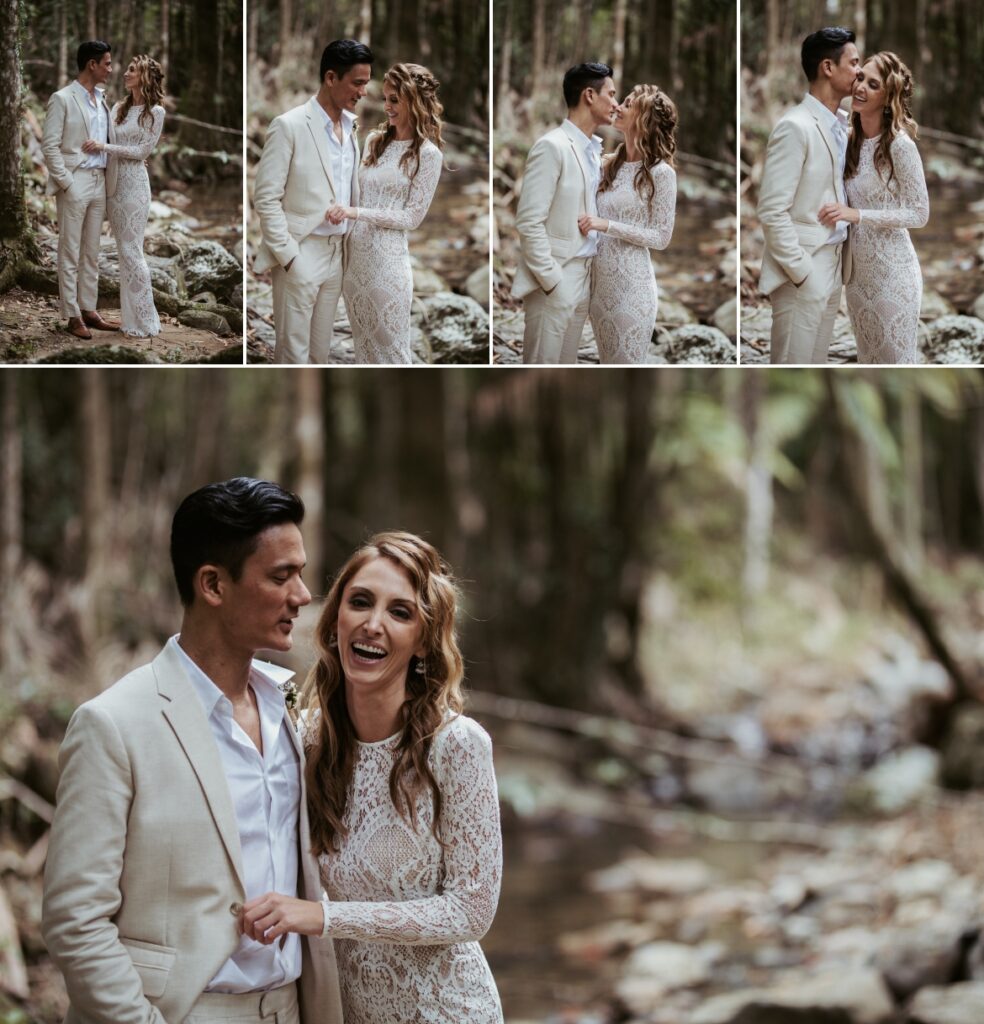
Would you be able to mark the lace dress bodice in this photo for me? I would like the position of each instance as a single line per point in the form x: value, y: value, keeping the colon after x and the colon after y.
x: 128, y: 209
x: 623, y: 288
x: 406, y: 916
x: 885, y: 290
x: 378, y: 278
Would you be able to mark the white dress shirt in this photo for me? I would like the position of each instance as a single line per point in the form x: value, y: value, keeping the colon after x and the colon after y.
x: 592, y: 157
x: 342, y: 156
x: 98, y: 125
x: 266, y: 794
x: 837, y: 133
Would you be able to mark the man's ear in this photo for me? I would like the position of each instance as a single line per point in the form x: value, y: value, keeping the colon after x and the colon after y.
x: 210, y: 584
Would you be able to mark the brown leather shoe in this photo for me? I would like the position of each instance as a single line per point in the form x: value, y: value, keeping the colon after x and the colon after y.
x: 93, y: 319
x: 76, y: 327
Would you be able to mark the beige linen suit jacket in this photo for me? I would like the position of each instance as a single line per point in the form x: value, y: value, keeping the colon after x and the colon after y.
x: 66, y: 127
x: 294, y: 185
x: 143, y: 883
x: 555, y: 194
x: 801, y: 174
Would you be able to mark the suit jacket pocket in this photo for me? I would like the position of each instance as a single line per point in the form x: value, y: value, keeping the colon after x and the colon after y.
x: 153, y: 964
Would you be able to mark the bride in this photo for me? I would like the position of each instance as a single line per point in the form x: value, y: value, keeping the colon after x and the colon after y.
x: 139, y: 120
x: 402, y: 798
x: 397, y: 180
x: 636, y: 208
x: 886, y: 189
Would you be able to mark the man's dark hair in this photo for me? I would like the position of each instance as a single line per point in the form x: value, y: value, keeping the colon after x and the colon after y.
x: 92, y: 50
x: 220, y: 524
x: 581, y: 77
x: 342, y: 55
x: 827, y: 43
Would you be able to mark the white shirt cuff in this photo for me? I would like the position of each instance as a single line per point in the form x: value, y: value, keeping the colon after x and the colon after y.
x: 324, y: 929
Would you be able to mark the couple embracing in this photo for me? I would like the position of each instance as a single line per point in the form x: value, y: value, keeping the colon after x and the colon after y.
x: 334, y: 220
x: 209, y: 861
x: 838, y: 196
x: 95, y: 158
x: 586, y: 223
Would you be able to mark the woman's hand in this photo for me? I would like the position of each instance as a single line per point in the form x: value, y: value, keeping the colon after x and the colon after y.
x: 830, y: 213
x: 586, y: 223
x: 91, y: 146
x: 268, y: 917
x: 336, y: 214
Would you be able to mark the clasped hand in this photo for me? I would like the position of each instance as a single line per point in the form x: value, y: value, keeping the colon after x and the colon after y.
x: 268, y: 917
x: 586, y: 223
x: 91, y: 146
x: 831, y: 213
x: 337, y: 213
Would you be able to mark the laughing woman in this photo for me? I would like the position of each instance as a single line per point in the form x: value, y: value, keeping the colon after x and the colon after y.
x: 402, y: 798
x: 397, y: 180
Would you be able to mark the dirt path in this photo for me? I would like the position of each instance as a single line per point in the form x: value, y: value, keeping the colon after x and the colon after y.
x: 31, y: 331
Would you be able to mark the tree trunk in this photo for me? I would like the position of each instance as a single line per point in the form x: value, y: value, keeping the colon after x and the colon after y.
x: 364, y: 34
x: 861, y: 23
x: 283, y: 37
x: 539, y: 46
x: 62, y: 79
x: 618, y: 45
x: 758, y: 491
x: 91, y: 22
x: 10, y: 524
x: 503, y: 100
x: 14, y: 231
x: 165, y: 43
x: 95, y: 498
x: 913, y: 497
x: 309, y: 438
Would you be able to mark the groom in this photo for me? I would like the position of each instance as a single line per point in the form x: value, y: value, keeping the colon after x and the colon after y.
x: 562, y: 174
x: 78, y: 180
x: 310, y: 161
x: 806, y: 263
x: 182, y: 796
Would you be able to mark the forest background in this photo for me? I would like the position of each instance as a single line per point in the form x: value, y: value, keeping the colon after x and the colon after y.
x: 725, y: 632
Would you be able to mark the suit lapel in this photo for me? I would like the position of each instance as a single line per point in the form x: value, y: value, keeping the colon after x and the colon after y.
x: 317, y: 128
x: 831, y: 149
x: 579, y: 156
x: 184, y: 712
x: 83, y: 110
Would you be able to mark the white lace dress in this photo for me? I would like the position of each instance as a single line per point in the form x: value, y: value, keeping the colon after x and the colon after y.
x: 623, y: 284
x: 406, y: 916
x: 378, y: 283
x: 885, y: 290
x: 128, y: 209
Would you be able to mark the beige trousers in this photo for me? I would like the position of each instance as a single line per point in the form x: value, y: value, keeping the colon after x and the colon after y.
x: 305, y: 298
x: 803, y: 317
x: 278, y: 1006
x: 81, y: 210
x: 554, y: 322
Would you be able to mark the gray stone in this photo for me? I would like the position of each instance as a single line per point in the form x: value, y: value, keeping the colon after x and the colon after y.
x: 673, y: 313
x: 654, y: 875
x: 962, y: 1003
x: 207, y: 266
x: 455, y: 328
x: 205, y: 321
x: 853, y: 996
x: 978, y: 307
x: 696, y: 344
x: 899, y: 780
x: 427, y: 281
x: 912, y: 958
x: 922, y: 878
x: 655, y: 969
x: 934, y: 305
x: 477, y: 285
x: 725, y: 318
x: 955, y: 339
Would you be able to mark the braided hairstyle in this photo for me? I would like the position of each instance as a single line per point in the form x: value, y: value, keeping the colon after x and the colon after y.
x: 896, y: 115
x: 151, y: 85
x: 418, y: 86
x: 655, y: 125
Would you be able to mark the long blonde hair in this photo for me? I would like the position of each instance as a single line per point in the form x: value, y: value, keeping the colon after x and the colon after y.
x: 430, y: 695
x: 656, y: 122
x: 896, y: 116
x: 151, y: 85
x: 418, y: 87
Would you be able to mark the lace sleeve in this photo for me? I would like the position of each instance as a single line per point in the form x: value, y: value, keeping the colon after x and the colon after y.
x: 472, y: 861
x: 149, y: 138
x: 654, y: 227
x: 913, y: 208
x: 409, y: 217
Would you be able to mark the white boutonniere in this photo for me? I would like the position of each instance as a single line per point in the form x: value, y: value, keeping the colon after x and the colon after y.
x: 289, y: 690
